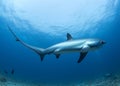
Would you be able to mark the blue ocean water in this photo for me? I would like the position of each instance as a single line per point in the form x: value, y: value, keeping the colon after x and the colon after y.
x: 43, y: 23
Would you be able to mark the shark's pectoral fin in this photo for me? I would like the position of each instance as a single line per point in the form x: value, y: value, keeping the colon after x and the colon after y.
x: 82, y: 56
x: 69, y: 37
x: 57, y: 56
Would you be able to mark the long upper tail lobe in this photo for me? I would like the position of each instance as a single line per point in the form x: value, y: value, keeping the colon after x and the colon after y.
x: 39, y: 51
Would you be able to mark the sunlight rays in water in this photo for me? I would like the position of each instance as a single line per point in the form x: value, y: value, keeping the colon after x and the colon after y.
x: 59, y: 17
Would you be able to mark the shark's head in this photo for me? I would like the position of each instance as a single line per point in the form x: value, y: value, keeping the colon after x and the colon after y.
x: 95, y: 44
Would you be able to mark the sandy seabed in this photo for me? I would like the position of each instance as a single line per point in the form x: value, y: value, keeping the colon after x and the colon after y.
x: 106, y: 80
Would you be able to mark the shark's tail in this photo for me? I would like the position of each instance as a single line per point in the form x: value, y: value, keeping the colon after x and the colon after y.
x: 39, y: 51
x: 17, y: 39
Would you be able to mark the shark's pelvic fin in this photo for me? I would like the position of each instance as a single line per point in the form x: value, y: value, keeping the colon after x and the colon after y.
x: 69, y: 37
x: 57, y: 56
x: 82, y: 56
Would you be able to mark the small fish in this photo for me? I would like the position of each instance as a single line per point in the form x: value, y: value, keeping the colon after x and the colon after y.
x: 12, y: 71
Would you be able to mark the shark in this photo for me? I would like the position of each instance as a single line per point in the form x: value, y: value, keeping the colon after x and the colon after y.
x: 82, y: 46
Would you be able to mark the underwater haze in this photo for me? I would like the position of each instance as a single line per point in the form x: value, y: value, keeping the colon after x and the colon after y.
x: 43, y: 23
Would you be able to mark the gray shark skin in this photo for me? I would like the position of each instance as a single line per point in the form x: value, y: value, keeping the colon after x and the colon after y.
x: 83, y: 46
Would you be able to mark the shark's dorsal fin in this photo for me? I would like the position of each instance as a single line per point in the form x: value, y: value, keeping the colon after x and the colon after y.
x: 69, y: 37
